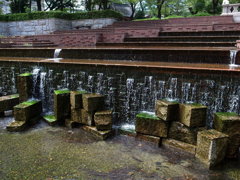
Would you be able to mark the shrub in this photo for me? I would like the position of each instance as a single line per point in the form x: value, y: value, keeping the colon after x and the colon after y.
x: 60, y: 15
x: 140, y: 15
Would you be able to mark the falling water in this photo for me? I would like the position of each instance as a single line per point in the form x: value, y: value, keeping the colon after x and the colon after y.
x: 172, y: 91
x: 14, y: 90
x: 90, y: 84
x: 36, y: 74
x: 233, y: 55
x: 129, y: 91
x: 42, y: 89
x: 56, y: 53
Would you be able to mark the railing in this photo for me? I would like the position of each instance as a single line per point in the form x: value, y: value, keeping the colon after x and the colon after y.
x: 230, y: 9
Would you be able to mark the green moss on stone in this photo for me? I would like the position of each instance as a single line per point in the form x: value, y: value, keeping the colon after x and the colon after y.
x: 27, y: 103
x: 195, y: 104
x: 14, y: 96
x: 61, y: 91
x: 26, y: 74
x: 226, y: 114
x: 50, y: 118
x: 147, y: 116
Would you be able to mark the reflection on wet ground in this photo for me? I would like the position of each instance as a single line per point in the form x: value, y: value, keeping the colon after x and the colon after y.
x: 45, y: 152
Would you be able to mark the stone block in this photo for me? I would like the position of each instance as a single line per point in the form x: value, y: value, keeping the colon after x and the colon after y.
x: 179, y: 145
x: 211, y: 147
x: 150, y: 124
x: 27, y: 111
x: 76, y: 115
x: 229, y: 123
x: 76, y: 99
x: 93, y: 102
x: 50, y: 119
x: 62, y: 105
x: 69, y: 123
x: 8, y: 102
x: 180, y: 132
x: 24, y: 86
x: 193, y: 115
x: 17, y: 126
x: 101, y: 135
x: 152, y: 139
x: 167, y: 110
x: 87, y: 117
x: 103, y: 120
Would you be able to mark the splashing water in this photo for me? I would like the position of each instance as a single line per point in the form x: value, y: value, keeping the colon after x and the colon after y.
x: 233, y: 55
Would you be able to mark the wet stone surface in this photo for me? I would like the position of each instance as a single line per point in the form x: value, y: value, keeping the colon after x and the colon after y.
x: 45, y: 152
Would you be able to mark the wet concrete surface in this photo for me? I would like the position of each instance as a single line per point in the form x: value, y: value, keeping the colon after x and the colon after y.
x: 45, y: 152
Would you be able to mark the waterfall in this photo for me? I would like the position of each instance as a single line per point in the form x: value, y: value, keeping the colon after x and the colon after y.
x: 128, y: 102
x: 57, y: 53
x: 14, y: 90
x: 233, y: 56
x: 42, y: 90
x: 172, y: 91
x: 35, y: 74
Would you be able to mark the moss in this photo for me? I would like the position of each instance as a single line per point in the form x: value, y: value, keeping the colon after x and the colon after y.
x: 172, y: 102
x: 27, y: 103
x: 81, y: 92
x: 14, y: 96
x: 195, y: 104
x: 147, y: 116
x: 26, y: 74
x: 226, y: 114
x: 50, y: 118
x: 61, y: 91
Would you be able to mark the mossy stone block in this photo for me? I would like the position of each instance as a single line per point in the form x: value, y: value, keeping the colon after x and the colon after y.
x: 76, y: 115
x: 76, y: 99
x: 229, y: 123
x: 167, y: 110
x: 62, y: 108
x: 179, y: 131
x: 100, y: 135
x: 151, y: 125
x: 50, y: 119
x: 193, y: 115
x: 103, y: 120
x: 87, y: 117
x: 17, y: 126
x: 8, y: 102
x: 93, y: 102
x: 211, y: 147
x: 27, y: 110
x: 25, y: 86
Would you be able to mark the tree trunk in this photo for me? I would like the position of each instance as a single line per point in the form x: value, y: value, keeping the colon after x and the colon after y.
x: 159, y: 7
x: 39, y: 5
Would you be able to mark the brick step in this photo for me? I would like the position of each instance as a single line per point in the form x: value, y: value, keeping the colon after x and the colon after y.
x: 197, y: 33
x: 34, y: 45
x: 168, y: 43
x: 184, y: 38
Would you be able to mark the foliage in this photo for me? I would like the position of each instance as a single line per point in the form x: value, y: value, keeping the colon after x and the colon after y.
x: 60, y: 15
x: 140, y: 15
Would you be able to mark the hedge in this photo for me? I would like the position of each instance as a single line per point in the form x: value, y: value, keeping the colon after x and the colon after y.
x: 61, y: 15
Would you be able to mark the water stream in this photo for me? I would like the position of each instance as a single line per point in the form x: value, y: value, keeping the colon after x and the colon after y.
x: 233, y: 56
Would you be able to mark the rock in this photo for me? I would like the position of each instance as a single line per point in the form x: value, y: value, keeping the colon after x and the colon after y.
x: 103, y: 120
x: 50, y: 119
x: 8, y: 102
x: 167, y: 110
x: 151, y: 125
x: 27, y: 110
x: 193, y: 115
x: 62, y: 105
x: 87, y: 117
x: 179, y: 145
x: 229, y: 123
x: 211, y: 147
x: 69, y: 123
x: 24, y: 86
x: 16, y: 126
x: 93, y: 102
x: 76, y: 115
x: 153, y: 139
x: 101, y: 135
x: 180, y: 132
x: 127, y: 132
x: 76, y: 99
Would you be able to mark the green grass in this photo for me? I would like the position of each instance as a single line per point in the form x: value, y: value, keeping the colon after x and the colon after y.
x: 26, y: 74
x: 147, y: 19
x: 61, y: 91
x: 14, y: 96
x: 147, y: 116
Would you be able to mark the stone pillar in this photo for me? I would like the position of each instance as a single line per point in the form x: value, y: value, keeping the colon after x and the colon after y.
x: 167, y: 110
x: 62, y: 105
x: 193, y: 115
x: 25, y: 86
x: 211, y: 147
x: 8, y: 102
x: 229, y: 123
x: 103, y: 120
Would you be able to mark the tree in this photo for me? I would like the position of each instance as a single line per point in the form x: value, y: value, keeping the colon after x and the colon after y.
x: 59, y: 4
x: 159, y: 8
x: 18, y: 6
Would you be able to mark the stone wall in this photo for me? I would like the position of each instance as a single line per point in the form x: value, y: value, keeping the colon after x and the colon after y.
x: 46, y: 26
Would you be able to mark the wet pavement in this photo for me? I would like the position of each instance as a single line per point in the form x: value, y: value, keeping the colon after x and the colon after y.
x: 50, y: 153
